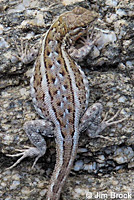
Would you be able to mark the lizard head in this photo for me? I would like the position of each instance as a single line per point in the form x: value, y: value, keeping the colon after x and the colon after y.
x: 78, y: 17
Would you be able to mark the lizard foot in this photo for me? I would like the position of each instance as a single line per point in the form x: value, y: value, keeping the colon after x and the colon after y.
x: 104, y: 124
x: 88, y: 43
x: 25, y: 54
x: 28, y: 152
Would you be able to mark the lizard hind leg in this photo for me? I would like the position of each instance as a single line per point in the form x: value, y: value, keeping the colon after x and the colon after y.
x: 35, y: 131
x: 91, y: 120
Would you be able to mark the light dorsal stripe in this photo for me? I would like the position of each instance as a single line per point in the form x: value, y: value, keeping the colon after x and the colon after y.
x: 51, y: 111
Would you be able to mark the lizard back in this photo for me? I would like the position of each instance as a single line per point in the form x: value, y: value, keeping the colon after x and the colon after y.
x: 60, y: 91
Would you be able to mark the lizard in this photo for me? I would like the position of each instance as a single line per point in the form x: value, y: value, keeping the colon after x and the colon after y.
x: 60, y: 94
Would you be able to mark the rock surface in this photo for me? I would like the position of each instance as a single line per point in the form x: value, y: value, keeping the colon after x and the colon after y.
x: 103, y: 165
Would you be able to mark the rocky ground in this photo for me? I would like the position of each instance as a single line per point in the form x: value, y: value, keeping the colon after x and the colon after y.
x: 103, y: 168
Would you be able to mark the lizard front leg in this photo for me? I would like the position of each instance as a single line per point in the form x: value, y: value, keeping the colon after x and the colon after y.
x: 35, y: 131
x: 88, y: 45
x: 26, y: 54
x: 91, y: 120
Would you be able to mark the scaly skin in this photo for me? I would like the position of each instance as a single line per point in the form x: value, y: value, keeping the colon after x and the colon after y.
x: 60, y: 92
